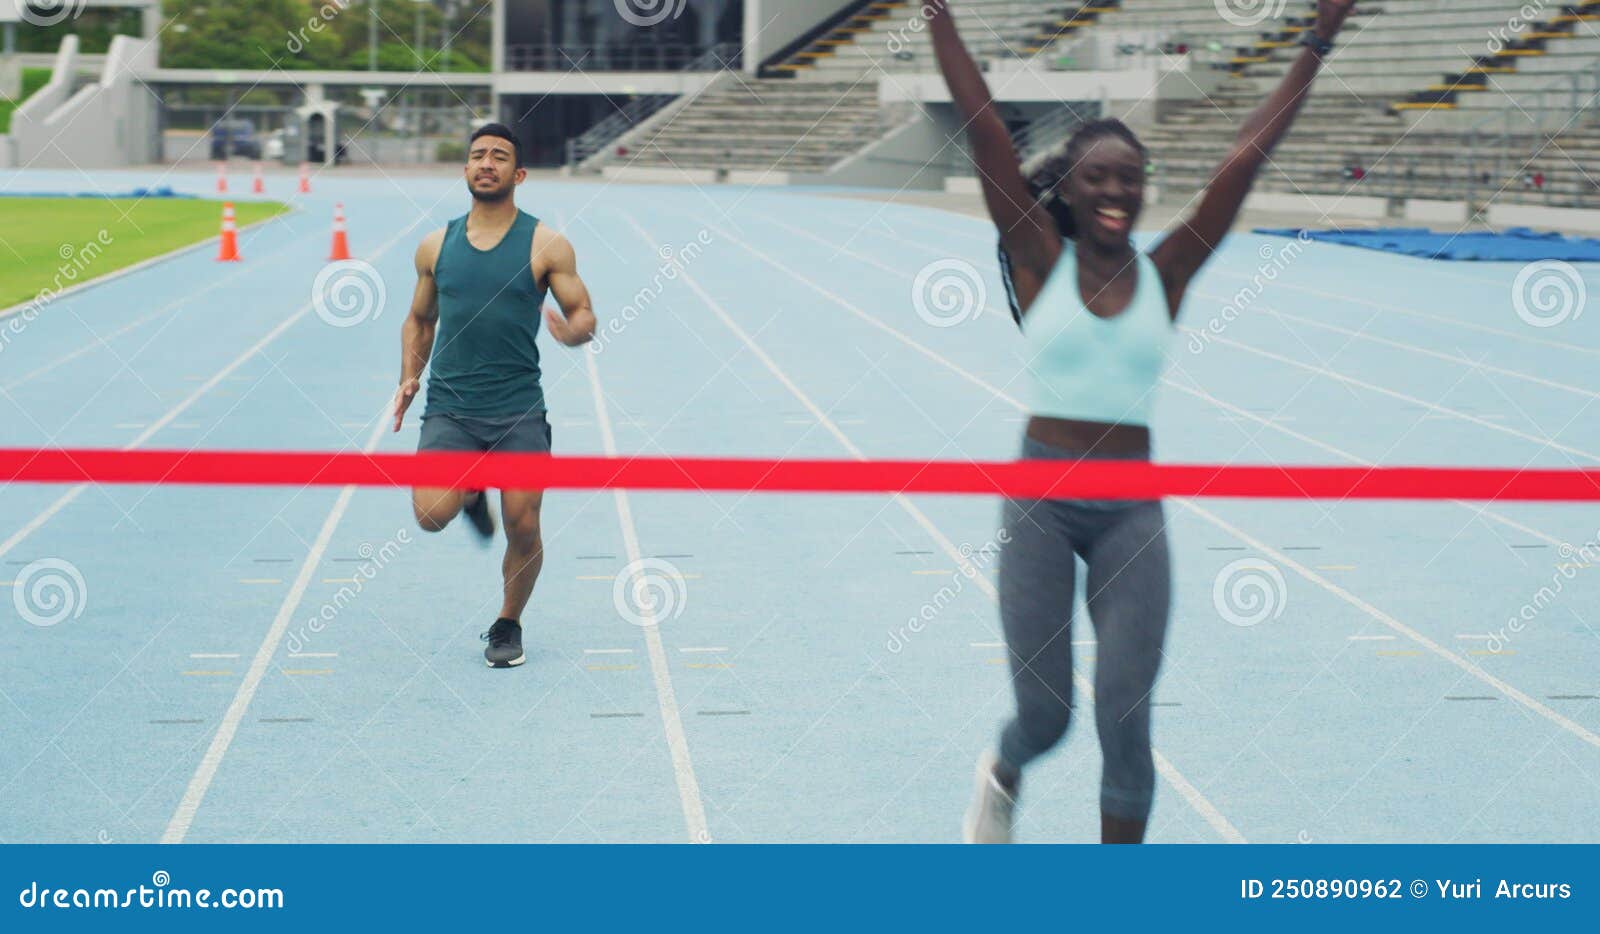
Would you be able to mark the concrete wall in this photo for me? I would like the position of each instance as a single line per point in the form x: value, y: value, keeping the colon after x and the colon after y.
x: 1323, y: 205
x: 1131, y: 94
x: 106, y: 124
x: 1533, y: 215
x: 919, y: 154
x: 601, y: 82
x: 28, y: 135
x: 769, y: 25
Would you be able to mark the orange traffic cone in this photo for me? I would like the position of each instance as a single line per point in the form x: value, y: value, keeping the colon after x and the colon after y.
x: 222, y: 178
x: 230, y: 236
x: 259, y: 186
x: 341, y: 237
x: 305, y: 179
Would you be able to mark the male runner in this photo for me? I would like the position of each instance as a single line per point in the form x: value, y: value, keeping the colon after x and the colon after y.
x: 481, y: 284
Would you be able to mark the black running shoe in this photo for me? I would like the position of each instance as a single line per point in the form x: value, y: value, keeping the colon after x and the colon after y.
x: 505, y: 644
x: 477, y: 512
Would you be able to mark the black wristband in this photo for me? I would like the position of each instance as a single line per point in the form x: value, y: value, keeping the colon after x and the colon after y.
x: 1316, y: 43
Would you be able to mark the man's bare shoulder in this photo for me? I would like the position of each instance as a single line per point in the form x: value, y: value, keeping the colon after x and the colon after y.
x: 428, y: 250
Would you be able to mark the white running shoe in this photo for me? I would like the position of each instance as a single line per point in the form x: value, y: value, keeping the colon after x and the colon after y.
x: 990, y: 814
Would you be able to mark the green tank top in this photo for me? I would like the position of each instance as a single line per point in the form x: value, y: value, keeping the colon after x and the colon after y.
x: 485, y: 351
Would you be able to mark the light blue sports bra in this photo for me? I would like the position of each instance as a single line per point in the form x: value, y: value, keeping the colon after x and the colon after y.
x: 1096, y: 369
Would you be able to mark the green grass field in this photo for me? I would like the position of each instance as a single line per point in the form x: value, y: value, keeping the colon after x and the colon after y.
x: 58, y: 242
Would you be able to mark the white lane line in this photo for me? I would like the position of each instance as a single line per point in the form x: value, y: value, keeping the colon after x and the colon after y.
x: 694, y: 812
x: 986, y: 645
x: 1413, y: 400
x: 1347, y: 300
x: 1424, y: 351
x: 1244, y: 414
x: 1481, y: 511
x: 38, y: 521
x: 1176, y: 779
x: 1343, y: 594
x: 1399, y: 627
x: 200, y: 783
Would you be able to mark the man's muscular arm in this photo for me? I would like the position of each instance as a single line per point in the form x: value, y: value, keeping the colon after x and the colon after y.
x: 416, y: 341
x: 575, y: 324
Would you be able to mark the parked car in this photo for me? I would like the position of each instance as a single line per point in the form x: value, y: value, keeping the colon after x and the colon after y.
x: 272, y: 149
x: 234, y: 138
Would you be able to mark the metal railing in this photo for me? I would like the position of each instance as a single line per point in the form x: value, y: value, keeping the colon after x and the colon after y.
x: 1502, y: 155
x: 637, y: 57
x: 1504, y: 144
x: 639, y: 109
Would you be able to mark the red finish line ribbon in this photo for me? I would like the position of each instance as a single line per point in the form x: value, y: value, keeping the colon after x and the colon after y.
x: 1121, y: 480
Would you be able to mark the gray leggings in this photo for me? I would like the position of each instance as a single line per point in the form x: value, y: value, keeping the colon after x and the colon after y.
x: 1124, y: 546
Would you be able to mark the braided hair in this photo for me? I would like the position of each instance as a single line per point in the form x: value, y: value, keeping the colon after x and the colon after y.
x: 1044, y: 175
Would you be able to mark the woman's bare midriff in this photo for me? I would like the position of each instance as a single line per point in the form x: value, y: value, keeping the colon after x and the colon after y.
x: 1098, y: 439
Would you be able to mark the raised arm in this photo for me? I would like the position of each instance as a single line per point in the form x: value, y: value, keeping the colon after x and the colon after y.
x: 416, y: 340
x: 1026, y: 229
x: 1187, y: 248
x: 574, y: 325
